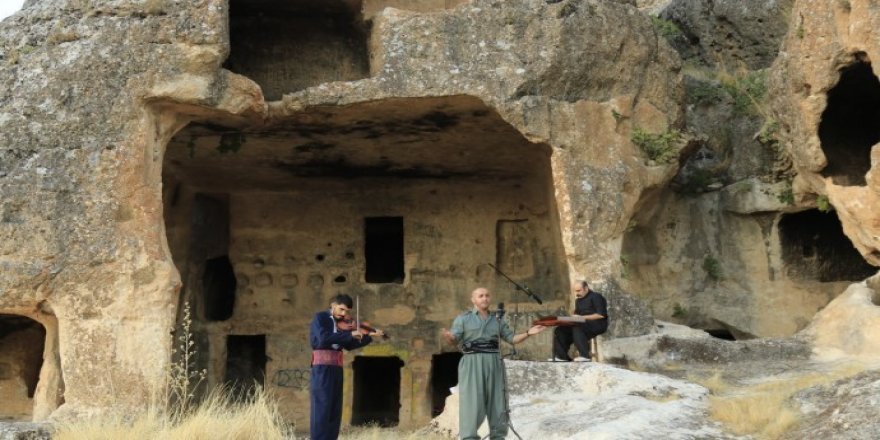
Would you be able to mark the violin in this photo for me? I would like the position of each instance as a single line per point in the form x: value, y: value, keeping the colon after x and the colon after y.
x: 560, y: 321
x: 347, y: 324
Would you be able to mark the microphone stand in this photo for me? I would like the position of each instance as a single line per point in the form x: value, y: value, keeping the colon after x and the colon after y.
x: 522, y: 287
x: 532, y: 295
x: 499, y: 314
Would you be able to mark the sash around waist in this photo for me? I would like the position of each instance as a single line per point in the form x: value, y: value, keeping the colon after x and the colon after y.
x: 480, y: 347
x: 327, y: 357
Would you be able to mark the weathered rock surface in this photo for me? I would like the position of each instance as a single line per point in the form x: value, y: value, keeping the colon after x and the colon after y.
x: 25, y: 431
x: 92, y: 95
x: 848, y: 327
x: 116, y: 115
x: 730, y: 33
x: 846, y: 408
x: 834, y: 160
x: 673, y: 344
x: 575, y: 401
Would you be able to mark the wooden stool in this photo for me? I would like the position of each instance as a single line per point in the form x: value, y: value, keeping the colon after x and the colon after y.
x: 594, y: 350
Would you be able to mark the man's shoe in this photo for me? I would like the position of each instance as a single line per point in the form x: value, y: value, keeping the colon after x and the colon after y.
x: 556, y: 359
x: 581, y: 359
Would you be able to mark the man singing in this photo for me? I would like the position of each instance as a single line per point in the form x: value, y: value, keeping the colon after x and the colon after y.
x: 480, y: 371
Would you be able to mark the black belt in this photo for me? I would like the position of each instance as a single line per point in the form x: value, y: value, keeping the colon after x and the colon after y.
x: 480, y: 347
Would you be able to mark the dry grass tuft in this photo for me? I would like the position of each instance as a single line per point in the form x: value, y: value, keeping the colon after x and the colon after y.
x: 175, y: 412
x: 764, y: 410
x: 714, y: 383
x: 218, y: 417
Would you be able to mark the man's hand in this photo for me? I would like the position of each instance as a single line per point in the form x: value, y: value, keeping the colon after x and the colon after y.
x: 357, y: 335
x: 536, y: 329
x: 377, y: 334
x: 448, y: 337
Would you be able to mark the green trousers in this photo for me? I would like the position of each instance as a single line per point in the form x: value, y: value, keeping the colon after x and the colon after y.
x: 481, y: 395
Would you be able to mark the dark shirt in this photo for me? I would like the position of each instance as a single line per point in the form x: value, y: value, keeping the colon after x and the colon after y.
x: 324, y: 335
x: 593, y: 302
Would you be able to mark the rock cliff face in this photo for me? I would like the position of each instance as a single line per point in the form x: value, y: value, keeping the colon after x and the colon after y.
x: 746, y: 225
x: 157, y: 153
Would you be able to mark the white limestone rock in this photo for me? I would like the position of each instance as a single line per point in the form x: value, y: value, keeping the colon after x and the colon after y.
x: 597, y: 401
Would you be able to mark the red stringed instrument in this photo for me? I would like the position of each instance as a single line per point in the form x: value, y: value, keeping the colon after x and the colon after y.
x: 560, y: 321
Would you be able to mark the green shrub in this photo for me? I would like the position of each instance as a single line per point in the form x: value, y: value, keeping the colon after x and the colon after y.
x: 660, y: 147
x: 747, y: 91
x: 678, y: 311
x: 706, y: 92
x: 786, y: 196
x: 666, y: 28
x: 712, y: 267
x: 823, y: 204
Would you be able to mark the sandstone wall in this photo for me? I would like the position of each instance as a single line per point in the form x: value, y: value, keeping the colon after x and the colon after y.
x: 93, y: 94
x: 742, y: 233
x: 830, y: 37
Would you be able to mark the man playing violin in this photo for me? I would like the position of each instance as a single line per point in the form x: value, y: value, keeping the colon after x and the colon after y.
x: 591, y: 306
x: 329, y: 333
x: 480, y: 371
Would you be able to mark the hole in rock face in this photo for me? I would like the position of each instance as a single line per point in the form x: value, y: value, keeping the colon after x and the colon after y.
x: 721, y: 333
x: 21, y: 357
x: 383, y: 249
x: 219, y: 286
x: 245, y: 361
x: 444, y: 375
x: 376, y: 391
x: 814, y: 247
x: 290, y: 45
x: 850, y: 124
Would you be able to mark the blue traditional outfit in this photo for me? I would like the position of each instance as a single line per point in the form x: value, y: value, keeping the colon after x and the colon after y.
x: 326, y: 380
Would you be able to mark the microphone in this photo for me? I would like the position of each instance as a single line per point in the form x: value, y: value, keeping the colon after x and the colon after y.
x: 499, y: 313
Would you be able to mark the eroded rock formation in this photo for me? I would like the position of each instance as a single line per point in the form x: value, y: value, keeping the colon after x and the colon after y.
x: 157, y: 153
x: 139, y: 173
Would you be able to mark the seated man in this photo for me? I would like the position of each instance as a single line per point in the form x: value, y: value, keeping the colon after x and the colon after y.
x: 593, y: 308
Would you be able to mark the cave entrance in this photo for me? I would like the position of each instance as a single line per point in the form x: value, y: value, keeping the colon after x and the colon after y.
x: 376, y: 391
x: 814, y: 247
x: 721, y: 333
x: 849, y: 125
x: 289, y: 45
x: 245, y: 362
x: 286, y: 214
x: 22, y: 344
x: 444, y: 375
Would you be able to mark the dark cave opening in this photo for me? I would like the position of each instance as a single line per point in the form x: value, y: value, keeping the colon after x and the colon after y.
x: 219, y: 284
x: 209, y: 253
x: 814, y: 247
x: 245, y: 361
x: 721, y: 333
x: 850, y: 124
x: 376, y: 391
x: 290, y: 45
x: 383, y: 249
x: 444, y: 375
